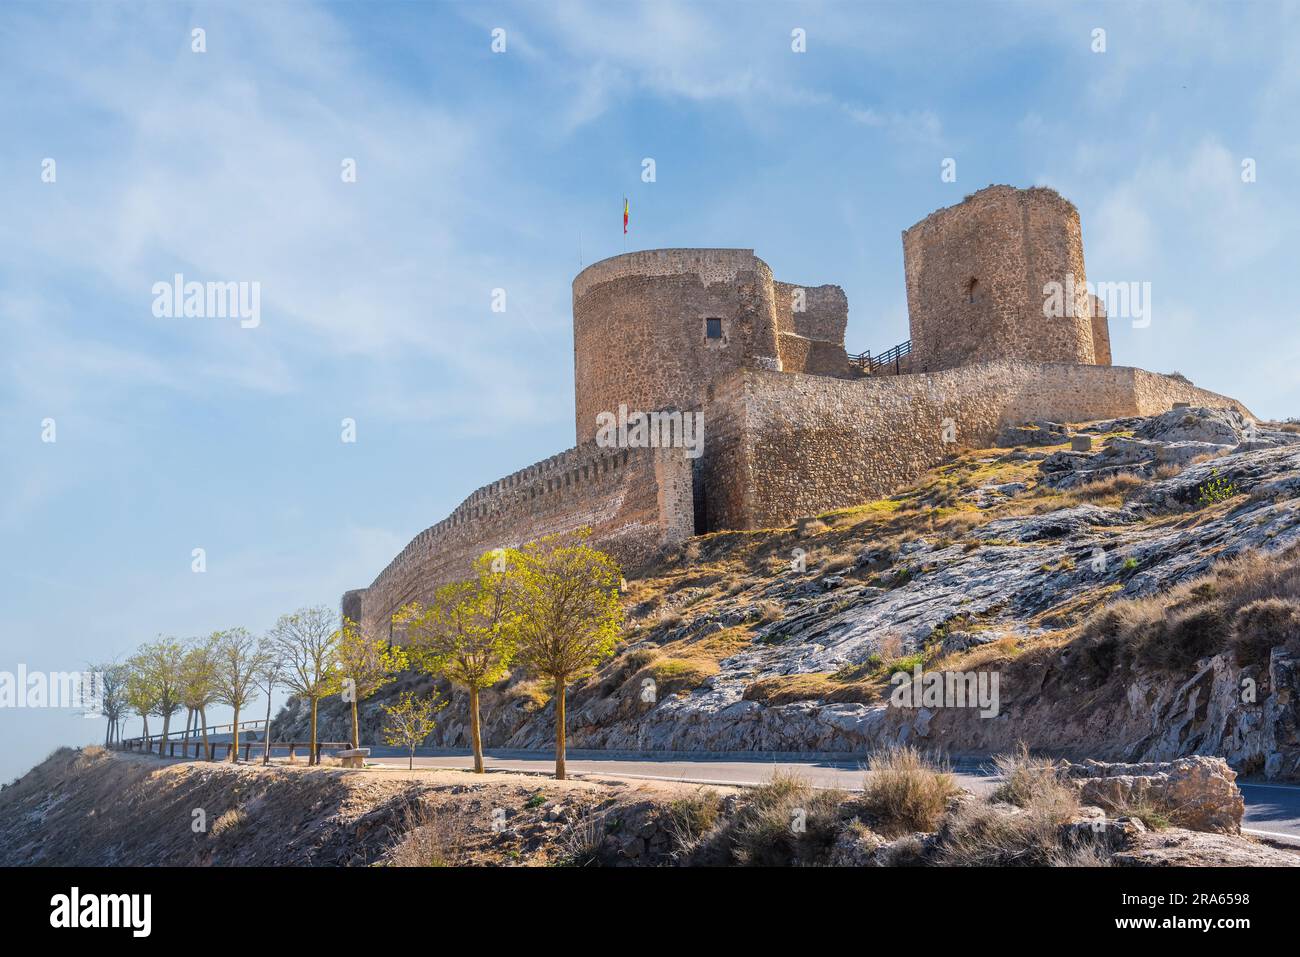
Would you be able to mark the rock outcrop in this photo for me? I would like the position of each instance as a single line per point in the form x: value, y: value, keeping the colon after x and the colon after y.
x: 1198, y: 792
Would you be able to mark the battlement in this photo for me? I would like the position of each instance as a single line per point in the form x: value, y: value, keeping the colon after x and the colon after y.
x: 635, y: 501
x: 709, y: 265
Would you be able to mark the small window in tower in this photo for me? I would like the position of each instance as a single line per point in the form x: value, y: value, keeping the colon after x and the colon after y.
x: 972, y: 288
x: 713, y: 328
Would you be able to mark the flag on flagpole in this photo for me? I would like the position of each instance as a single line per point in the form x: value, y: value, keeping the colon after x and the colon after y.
x: 624, y: 215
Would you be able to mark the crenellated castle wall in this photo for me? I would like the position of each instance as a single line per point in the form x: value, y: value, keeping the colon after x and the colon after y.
x: 635, y: 501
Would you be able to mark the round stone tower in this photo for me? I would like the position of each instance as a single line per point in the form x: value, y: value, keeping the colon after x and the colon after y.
x: 653, y: 329
x: 980, y: 274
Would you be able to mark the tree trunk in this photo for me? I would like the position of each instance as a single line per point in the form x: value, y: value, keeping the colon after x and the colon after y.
x: 475, y: 731
x: 266, y: 751
x: 203, y: 719
x: 311, y: 757
x: 162, y: 743
x: 234, y: 730
x: 356, y: 730
x: 410, y: 765
x: 146, y: 729
x: 559, y: 729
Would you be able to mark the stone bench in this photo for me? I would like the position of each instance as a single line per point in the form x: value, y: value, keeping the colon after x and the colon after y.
x: 353, y: 757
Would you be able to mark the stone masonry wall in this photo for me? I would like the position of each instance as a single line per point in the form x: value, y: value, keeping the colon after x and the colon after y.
x: 635, y: 501
x: 1100, y: 332
x: 781, y: 446
x: 812, y: 339
x: 975, y: 276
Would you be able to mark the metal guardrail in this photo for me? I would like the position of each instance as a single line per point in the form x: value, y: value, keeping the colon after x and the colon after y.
x: 214, y: 748
x: 184, y: 740
x: 890, y: 357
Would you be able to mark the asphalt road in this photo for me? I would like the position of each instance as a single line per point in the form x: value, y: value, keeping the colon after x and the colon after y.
x: 1272, y: 810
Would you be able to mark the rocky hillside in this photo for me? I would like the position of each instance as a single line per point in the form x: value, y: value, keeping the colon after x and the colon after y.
x: 1133, y: 584
x: 97, y: 808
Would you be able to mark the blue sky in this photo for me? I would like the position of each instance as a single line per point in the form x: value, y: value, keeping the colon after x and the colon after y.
x: 478, y: 171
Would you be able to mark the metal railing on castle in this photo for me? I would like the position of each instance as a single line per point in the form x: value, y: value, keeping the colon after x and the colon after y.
x: 891, y: 360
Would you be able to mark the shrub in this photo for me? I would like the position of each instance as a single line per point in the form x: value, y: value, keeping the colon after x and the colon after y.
x: 1214, y: 490
x: 1184, y: 637
x: 1034, y: 784
x: 1261, y: 625
x: 905, y: 792
x: 786, y: 821
x: 690, y: 818
x: 1120, y: 484
x: 769, y: 611
x: 672, y: 675
x: 433, y: 838
x: 583, y: 839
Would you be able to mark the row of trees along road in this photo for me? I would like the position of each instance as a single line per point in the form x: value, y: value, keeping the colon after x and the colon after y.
x: 309, y: 653
x: 550, y: 608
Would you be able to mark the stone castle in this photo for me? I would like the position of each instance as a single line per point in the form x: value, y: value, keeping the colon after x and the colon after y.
x: 792, y: 424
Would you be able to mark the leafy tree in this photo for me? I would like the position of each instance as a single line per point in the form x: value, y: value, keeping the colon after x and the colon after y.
x: 365, y: 665
x: 141, y: 694
x: 308, y: 641
x: 199, y: 684
x: 465, y: 636
x: 161, y: 661
x: 239, y: 658
x: 566, y: 613
x: 410, y: 720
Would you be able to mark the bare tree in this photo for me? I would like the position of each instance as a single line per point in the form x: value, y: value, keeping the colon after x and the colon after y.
x: 112, y: 677
x: 308, y: 641
x: 268, y: 676
x: 239, y: 659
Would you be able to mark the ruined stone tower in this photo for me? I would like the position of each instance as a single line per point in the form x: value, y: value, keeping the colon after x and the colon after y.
x: 656, y: 329
x: 976, y: 279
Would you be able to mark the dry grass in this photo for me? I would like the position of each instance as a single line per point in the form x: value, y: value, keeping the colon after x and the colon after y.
x: 816, y: 686
x: 582, y: 840
x: 693, y: 817
x: 786, y: 821
x: 683, y: 665
x: 983, y: 835
x: 229, y: 822
x: 1263, y: 624
x: 1034, y: 784
x: 905, y: 792
x: 1112, y: 490
x: 532, y: 693
x: 1248, y: 602
x: 435, y: 837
